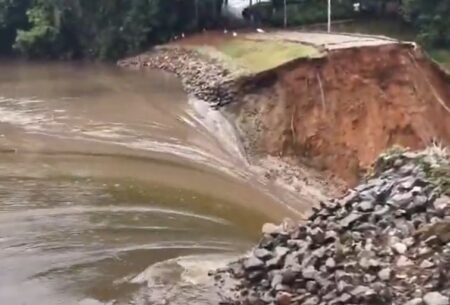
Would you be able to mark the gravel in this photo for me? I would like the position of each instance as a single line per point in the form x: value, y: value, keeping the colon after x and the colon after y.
x: 203, y: 77
x: 384, y: 242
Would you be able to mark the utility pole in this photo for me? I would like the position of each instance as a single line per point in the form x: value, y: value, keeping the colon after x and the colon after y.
x: 285, y: 14
x: 329, y: 16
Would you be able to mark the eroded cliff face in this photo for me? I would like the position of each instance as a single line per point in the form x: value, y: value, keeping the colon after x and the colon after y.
x: 338, y: 113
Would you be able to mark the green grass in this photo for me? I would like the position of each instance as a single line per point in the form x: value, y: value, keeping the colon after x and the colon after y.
x: 258, y: 56
x: 442, y: 56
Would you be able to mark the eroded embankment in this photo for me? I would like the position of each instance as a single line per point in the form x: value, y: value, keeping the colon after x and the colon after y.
x: 341, y: 111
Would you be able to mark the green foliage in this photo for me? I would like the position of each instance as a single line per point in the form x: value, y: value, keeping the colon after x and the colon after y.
x: 258, y: 56
x: 301, y: 12
x: 105, y: 29
x: 432, y: 18
x: 12, y: 17
x: 43, y: 38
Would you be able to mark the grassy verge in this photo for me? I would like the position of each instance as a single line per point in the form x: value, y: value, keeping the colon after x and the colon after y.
x: 442, y: 56
x: 258, y: 56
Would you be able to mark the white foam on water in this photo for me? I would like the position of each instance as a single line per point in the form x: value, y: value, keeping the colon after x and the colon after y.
x: 219, y: 127
x: 192, y: 270
x: 181, y: 279
x: 72, y: 210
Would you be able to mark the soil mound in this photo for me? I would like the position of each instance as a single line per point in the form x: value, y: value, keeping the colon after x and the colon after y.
x: 340, y: 112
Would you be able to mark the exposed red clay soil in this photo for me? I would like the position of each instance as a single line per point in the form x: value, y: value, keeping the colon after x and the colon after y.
x: 342, y: 111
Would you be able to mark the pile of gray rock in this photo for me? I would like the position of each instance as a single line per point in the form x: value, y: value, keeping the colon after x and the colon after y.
x: 204, y: 77
x: 386, y: 241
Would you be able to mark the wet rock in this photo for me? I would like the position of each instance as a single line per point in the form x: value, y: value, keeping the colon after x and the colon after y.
x: 400, y: 248
x: 276, y: 280
x: 401, y: 200
x: 362, y: 291
x: 284, y: 298
x: 270, y: 229
x: 256, y: 275
x: 435, y: 298
x: 317, y: 235
x: 344, y: 276
x: 366, y: 227
x: 253, y: 263
x: 427, y: 264
x: 366, y: 206
x: 330, y: 263
x: 385, y: 274
x: 409, y: 183
x: 381, y: 211
x: 312, y: 286
x: 416, y: 301
x: 312, y: 301
x: 309, y: 272
x: 403, y: 261
x: 344, y: 298
x: 281, y: 251
x: 262, y: 254
x: 275, y: 262
x: 343, y: 286
x: 329, y: 296
x: 349, y: 220
x: 237, y: 270
x: 288, y: 276
x: 441, y: 203
x: 432, y: 241
x: 368, y: 278
x: 364, y: 263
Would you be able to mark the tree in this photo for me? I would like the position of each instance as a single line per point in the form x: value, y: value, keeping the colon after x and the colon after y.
x: 99, y: 28
x: 12, y: 16
x: 432, y: 18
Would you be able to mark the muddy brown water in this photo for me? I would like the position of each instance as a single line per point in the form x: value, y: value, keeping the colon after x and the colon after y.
x: 116, y: 188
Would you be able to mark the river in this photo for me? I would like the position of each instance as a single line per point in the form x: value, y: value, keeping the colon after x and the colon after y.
x: 116, y: 188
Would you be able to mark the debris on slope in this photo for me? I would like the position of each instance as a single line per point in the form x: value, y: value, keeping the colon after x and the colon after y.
x: 204, y: 77
x: 387, y: 241
x: 340, y: 112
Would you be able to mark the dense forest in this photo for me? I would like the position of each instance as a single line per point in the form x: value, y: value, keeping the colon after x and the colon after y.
x: 429, y: 18
x: 108, y: 29
x: 98, y: 28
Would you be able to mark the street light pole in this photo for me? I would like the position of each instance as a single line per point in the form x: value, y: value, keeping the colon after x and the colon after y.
x: 329, y: 16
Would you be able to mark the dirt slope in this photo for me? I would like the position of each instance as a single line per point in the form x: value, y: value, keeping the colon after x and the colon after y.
x: 341, y: 111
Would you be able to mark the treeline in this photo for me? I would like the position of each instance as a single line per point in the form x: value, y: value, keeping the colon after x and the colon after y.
x: 105, y: 29
x: 108, y: 29
x: 430, y: 18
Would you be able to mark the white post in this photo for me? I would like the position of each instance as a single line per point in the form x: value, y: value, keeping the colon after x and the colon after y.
x: 329, y: 16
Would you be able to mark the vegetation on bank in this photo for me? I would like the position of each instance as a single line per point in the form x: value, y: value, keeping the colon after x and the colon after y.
x: 105, y: 29
x: 257, y: 56
x: 108, y: 29
x: 442, y: 56
x: 429, y: 20
x: 429, y: 17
